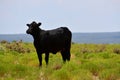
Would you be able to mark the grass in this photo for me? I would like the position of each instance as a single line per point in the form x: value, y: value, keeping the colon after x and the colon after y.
x: 88, y: 62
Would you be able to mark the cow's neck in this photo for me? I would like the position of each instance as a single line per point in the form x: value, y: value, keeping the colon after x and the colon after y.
x: 36, y: 35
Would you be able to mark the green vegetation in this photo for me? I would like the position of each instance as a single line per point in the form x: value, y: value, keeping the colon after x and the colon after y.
x: 18, y: 61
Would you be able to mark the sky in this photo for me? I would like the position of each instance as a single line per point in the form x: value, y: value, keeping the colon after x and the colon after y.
x: 77, y: 15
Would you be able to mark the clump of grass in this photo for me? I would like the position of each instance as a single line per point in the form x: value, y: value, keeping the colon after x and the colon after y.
x: 92, y: 67
x: 100, y: 48
x: 57, y: 67
x: 85, y: 50
x: 16, y: 46
x: 110, y: 74
x: 4, y: 42
x: 3, y: 70
x: 61, y: 74
x: 74, y: 69
x: 92, y: 48
x: 2, y: 49
x: 82, y: 74
x: 116, y: 50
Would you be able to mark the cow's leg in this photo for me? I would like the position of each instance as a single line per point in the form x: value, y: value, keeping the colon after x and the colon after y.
x: 67, y: 52
x: 39, y: 57
x: 68, y: 55
x: 46, y: 58
x: 63, y: 56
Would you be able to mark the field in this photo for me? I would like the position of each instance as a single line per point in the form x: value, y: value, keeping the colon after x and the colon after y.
x: 18, y: 61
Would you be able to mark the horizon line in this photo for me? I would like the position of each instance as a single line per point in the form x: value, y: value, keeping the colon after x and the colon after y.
x: 72, y: 32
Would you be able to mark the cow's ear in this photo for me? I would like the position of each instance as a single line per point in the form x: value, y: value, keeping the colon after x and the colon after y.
x: 28, y: 25
x: 39, y: 24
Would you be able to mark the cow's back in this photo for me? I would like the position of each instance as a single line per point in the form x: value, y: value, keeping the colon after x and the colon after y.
x: 55, y: 40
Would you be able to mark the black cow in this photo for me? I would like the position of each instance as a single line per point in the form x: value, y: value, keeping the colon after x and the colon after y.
x: 50, y: 41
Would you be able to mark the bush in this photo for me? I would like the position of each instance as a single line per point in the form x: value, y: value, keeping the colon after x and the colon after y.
x: 85, y: 50
x: 116, y: 50
x: 100, y: 48
x: 92, y: 48
x: 4, y: 41
x: 18, y: 47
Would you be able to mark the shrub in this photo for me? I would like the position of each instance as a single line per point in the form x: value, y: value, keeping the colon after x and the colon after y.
x: 116, y: 50
x: 4, y: 41
x: 85, y: 50
x: 18, y: 47
x: 100, y: 48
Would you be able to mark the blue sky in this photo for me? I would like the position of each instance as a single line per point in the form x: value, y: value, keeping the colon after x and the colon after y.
x: 78, y: 15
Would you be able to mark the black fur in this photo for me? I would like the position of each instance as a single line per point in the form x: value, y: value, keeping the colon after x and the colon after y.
x: 50, y: 41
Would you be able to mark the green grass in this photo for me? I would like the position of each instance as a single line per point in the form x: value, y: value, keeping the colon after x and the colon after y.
x: 88, y: 62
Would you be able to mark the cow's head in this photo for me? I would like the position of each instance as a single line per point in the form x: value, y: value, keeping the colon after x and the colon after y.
x: 33, y: 27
